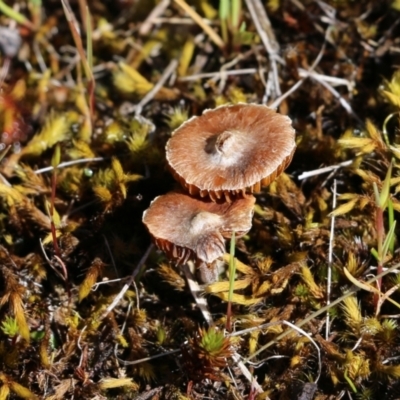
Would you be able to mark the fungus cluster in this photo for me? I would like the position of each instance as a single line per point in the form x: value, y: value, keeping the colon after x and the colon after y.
x: 219, y: 158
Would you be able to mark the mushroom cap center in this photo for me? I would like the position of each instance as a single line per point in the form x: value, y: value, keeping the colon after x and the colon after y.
x: 204, y: 221
x: 227, y: 148
x: 224, y: 142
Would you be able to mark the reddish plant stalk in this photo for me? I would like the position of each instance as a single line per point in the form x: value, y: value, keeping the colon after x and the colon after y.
x: 228, y: 325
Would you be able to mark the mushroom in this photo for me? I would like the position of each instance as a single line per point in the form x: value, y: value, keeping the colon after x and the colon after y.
x: 231, y: 150
x: 189, y: 228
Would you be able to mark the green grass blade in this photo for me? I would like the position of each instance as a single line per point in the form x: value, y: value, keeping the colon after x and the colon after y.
x: 384, y: 196
x: 15, y: 15
x: 388, y: 240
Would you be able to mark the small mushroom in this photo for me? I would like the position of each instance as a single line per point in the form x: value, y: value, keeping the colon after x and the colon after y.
x: 189, y: 228
x: 231, y: 150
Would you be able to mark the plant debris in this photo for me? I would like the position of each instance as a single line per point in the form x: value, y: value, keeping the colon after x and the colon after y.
x: 306, y: 303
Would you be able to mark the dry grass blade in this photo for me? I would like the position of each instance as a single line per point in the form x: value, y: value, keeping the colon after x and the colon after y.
x: 197, y: 18
x: 76, y: 34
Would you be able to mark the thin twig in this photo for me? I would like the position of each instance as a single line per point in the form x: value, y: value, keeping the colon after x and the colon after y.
x: 111, y: 255
x: 63, y: 277
x: 125, y: 363
x: 148, y: 23
x: 68, y: 164
x: 179, y: 21
x: 264, y: 30
x: 223, y: 77
x: 301, y: 331
x: 320, y: 171
x: 119, y: 296
x: 332, y: 80
x: 249, y: 376
x: 337, y: 95
x: 330, y: 260
x: 294, y: 327
x: 63, y: 267
x: 218, y: 74
x: 145, y: 359
x: 348, y: 293
x: 108, y: 282
x: 302, y: 73
x: 149, y: 96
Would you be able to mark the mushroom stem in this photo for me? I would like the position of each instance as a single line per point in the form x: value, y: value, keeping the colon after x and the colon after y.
x: 207, y: 273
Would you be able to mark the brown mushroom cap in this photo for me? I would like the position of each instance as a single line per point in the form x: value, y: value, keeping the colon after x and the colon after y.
x: 230, y: 150
x: 185, y: 227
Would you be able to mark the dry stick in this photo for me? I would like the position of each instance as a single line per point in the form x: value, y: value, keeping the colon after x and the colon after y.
x: 320, y: 171
x: 39, y: 56
x: 294, y: 327
x: 167, y: 353
x: 119, y: 296
x: 336, y: 94
x: 98, y: 284
x: 3, y: 153
x: 348, y: 293
x: 63, y: 277
x: 218, y: 74
x: 151, y: 19
x: 245, y: 371
x: 178, y: 21
x: 223, y: 73
x: 302, y: 7
x: 196, y: 290
x: 333, y: 80
x: 330, y: 259
x: 52, y: 201
x: 63, y: 268
x: 68, y: 164
x: 111, y: 256
x: 149, y: 96
x: 328, y: 82
x: 125, y: 363
x: 264, y: 29
x: 223, y: 77
x: 279, y: 100
x: 199, y: 20
x: 244, y: 71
